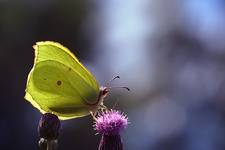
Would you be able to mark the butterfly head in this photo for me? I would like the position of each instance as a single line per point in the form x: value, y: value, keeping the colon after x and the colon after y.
x: 104, y: 91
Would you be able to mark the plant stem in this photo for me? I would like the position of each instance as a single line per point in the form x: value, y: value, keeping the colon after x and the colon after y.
x: 45, y: 144
x: 52, y: 144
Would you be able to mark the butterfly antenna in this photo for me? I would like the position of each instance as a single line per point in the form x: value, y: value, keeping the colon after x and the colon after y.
x: 116, y: 87
x: 116, y: 77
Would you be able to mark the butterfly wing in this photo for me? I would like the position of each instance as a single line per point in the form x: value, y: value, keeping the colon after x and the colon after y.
x: 59, y: 83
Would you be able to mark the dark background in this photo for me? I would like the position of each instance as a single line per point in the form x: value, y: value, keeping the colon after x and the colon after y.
x: 170, y: 53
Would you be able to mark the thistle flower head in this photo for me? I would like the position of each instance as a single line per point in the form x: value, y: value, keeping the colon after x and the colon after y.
x: 110, y: 122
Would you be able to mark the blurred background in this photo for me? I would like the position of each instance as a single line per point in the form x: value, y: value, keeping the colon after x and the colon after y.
x: 170, y: 53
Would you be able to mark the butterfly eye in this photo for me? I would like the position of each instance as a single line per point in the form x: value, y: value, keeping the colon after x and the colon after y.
x: 105, y: 91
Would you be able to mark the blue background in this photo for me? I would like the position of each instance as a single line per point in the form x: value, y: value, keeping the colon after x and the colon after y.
x: 170, y: 53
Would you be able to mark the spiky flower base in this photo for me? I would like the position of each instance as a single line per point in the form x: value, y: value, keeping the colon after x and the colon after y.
x: 110, y: 142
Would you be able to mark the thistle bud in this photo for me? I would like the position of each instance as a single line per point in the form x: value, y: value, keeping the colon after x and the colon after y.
x: 49, y: 126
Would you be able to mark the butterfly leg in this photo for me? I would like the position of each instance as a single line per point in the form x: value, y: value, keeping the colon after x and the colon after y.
x: 93, y: 114
x: 103, y: 108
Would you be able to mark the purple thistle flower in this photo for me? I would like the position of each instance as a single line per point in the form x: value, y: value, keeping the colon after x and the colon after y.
x: 109, y: 124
